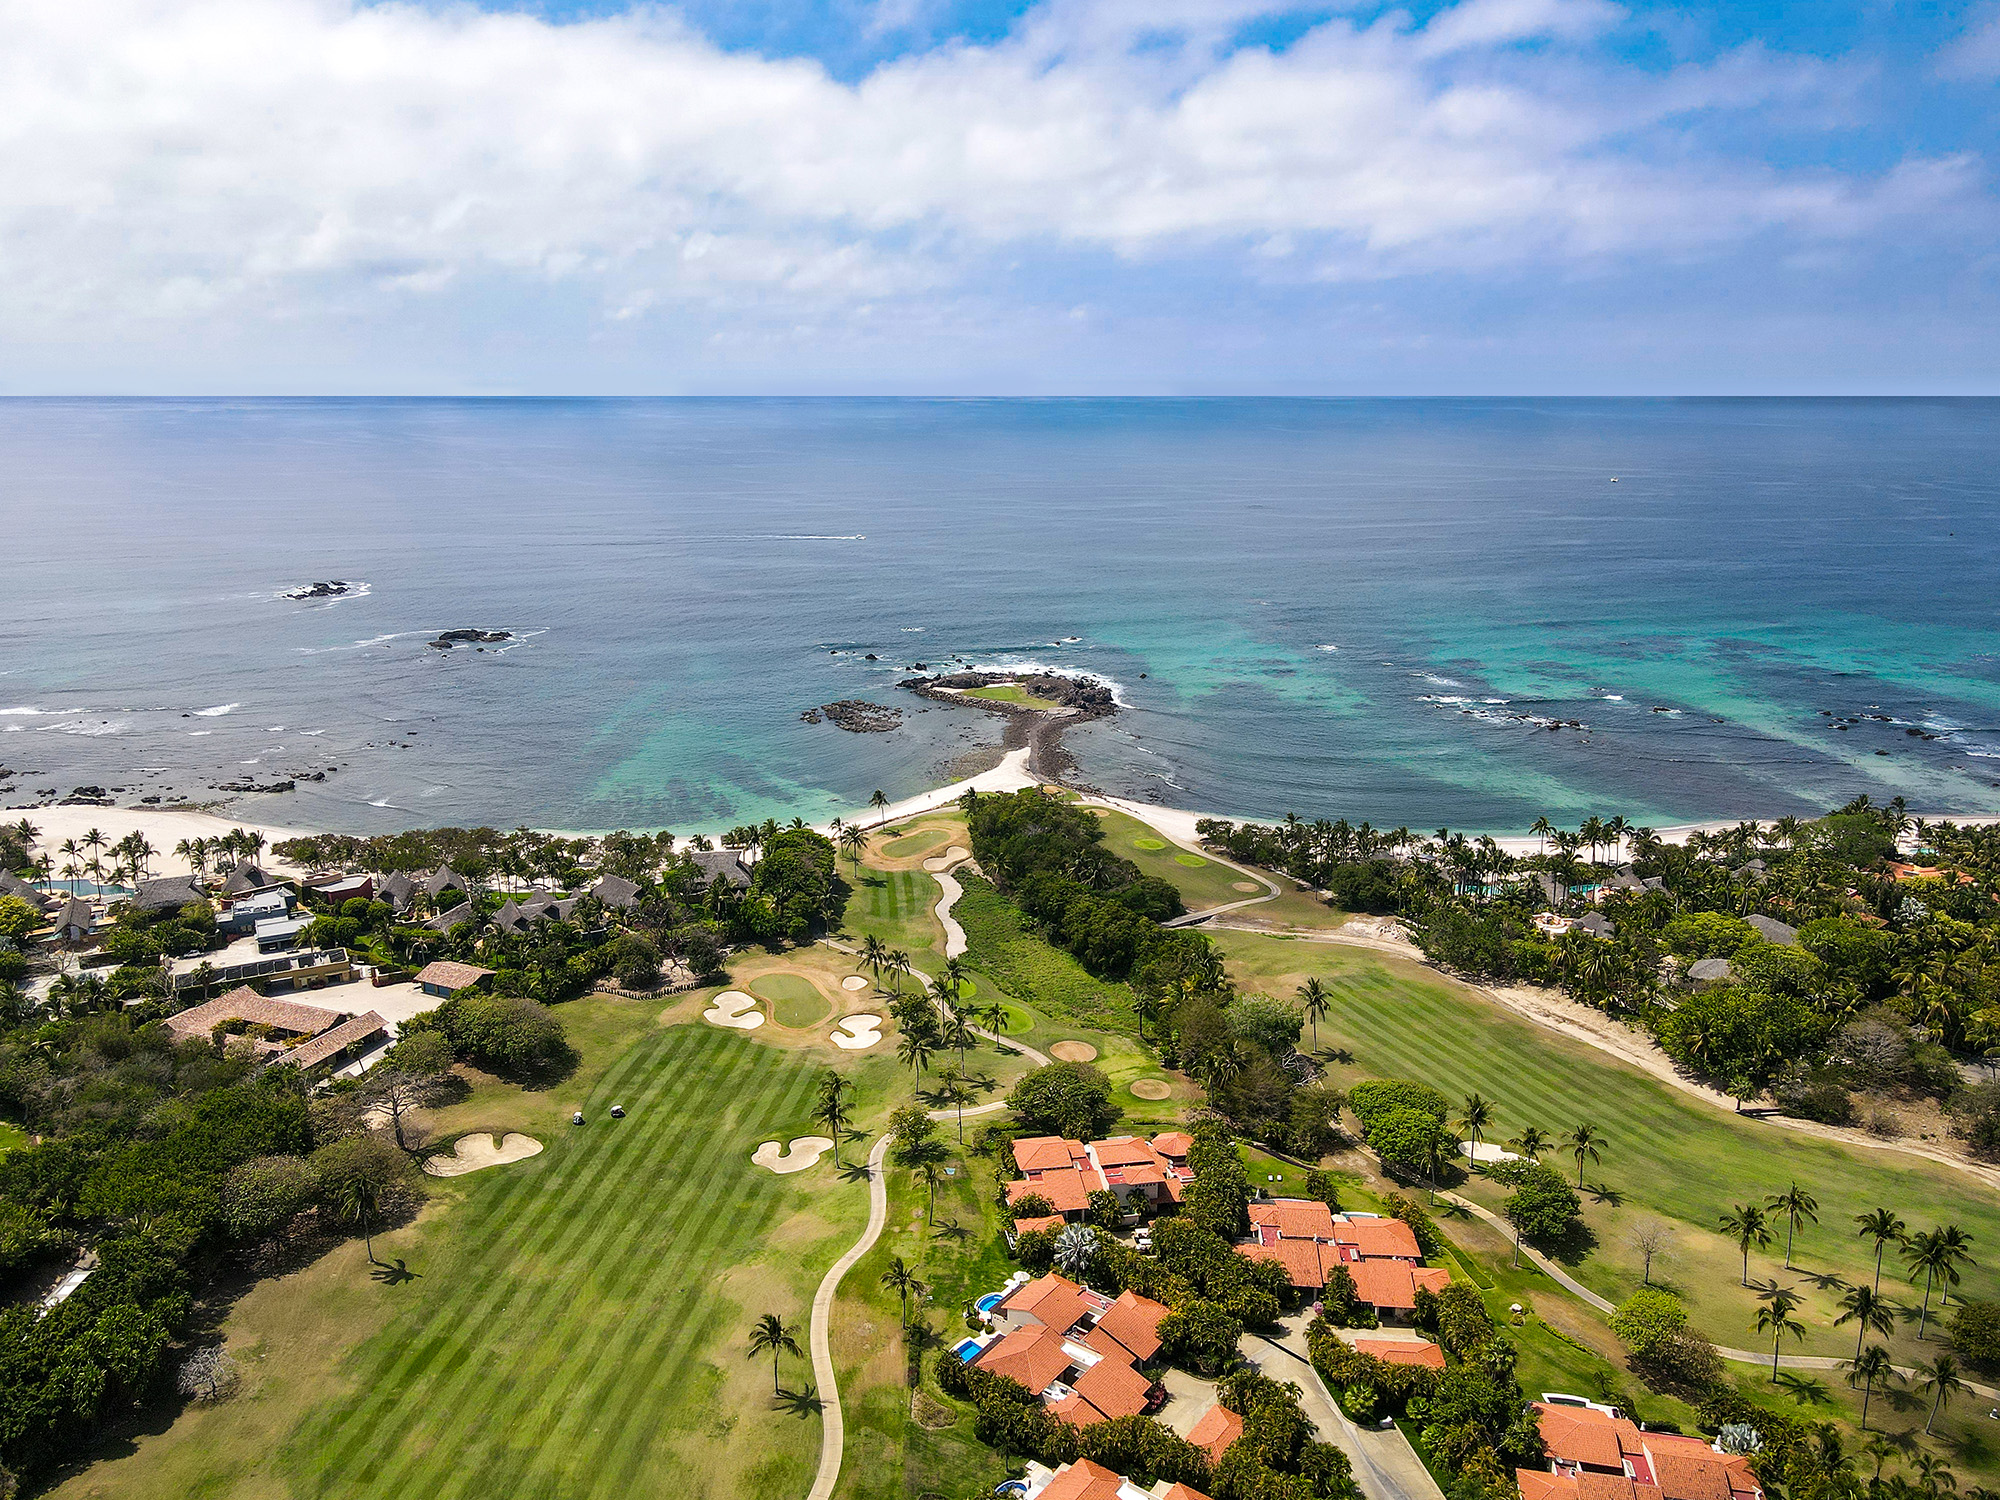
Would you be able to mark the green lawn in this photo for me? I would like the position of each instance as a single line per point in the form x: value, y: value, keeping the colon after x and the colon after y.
x: 577, y: 1329
x: 1201, y: 884
x: 1032, y: 971
x: 12, y: 1137
x: 1666, y: 1155
x: 1011, y: 692
x: 921, y: 842
x: 795, y: 999
x: 894, y: 905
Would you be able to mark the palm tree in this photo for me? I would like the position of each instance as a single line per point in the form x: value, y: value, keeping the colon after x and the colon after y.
x: 773, y: 1336
x: 995, y: 1018
x: 854, y: 844
x: 955, y: 1093
x: 1749, y: 1226
x: 1583, y: 1142
x: 1478, y: 1115
x: 1882, y: 1226
x: 1312, y: 995
x: 94, y: 841
x: 915, y: 1051
x: 831, y: 1110
x: 951, y: 981
x: 1775, y: 1318
x: 1076, y: 1247
x: 1933, y: 1478
x: 930, y: 1173
x: 1940, y: 1378
x: 1956, y: 1243
x: 1542, y: 829
x: 1531, y: 1143
x: 874, y: 953
x: 1930, y: 1256
x: 901, y: 1280
x: 73, y: 853
x: 1865, y: 1306
x: 1795, y: 1203
x: 1868, y: 1366
x: 880, y: 803
x: 356, y: 1201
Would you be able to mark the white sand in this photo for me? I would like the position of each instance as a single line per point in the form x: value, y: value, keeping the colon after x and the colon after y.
x: 946, y: 860
x: 805, y: 1151
x: 855, y: 982
x: 476, y: 1152
x: 163, y: 830
x: 734, y: 1008
x: 858, y: 1033
x: 1009, y: 776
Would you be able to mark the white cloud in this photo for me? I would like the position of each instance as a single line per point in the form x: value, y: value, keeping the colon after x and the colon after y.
x: 176, y: 161
x: 1976, y: 52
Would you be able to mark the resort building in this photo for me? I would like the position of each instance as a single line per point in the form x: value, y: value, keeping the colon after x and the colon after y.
x: 1311, y: 1241
x: 1217, y: 1429
x: 445, y: 980
x: 1067, y: 1172
x: 1774, y: 931
x: 75, y: 922
x: 616, y: 892
x: 307, y: 1037
x: 169, y: 893
x: 277, y: 933
x: 445, y: 878
x: 308, y: 968
x: 1085, y: 1480
x: 518, y: 916
x: 721, y: 864
x: 1595, y: 1453
x: 13, y: 885
x: 1077, y: 1349
x: 397, y: 891
x: 246, y: 880
x: 242, y: 916
x: 336, y: 890
x: 444, y: 921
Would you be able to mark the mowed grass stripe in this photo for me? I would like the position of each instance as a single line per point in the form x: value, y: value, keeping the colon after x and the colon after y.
x: 544, y: 1198
x: 510, y: 1341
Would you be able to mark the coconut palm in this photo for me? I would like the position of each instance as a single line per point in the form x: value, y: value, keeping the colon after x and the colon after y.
x: 831, y: 1110
x: 994, y: 1016
x: 356, y: 1201
x: 1531, y: 1143
x: 875, y: 954
x: 1869, y: 1367
x: 1866, y: 1307
x: 1775, y: 1318
x: 1940, y: 1380
x: 1957, y: 1247
x: 1076, y: 1247
x: 930, y: 1174
x: 1933, y: 1478
x: 1582, y: 1143
x: 958, y: 1037
x: 1930, y: 1256
x: 952, y: 1091
x: 951, y: 981
x: 915, y: 1051
x: 901, y: 1280
x: 854, y: 844
x: 773, y: 1336
x: 880, y: 803
x: 1795, y: 1203
x: 1478, y: 1115
x: 1749, y: 1226
x: 1312, y: 995
x: 1882, y: 1226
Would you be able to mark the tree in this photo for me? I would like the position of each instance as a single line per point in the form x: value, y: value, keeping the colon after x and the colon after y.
x: 930, y: 1174
x: 1940, y: 1379
x: 875, y: 954
x: 410, y: 1078
x: 1864, y: 1307
x: 1870, y: 1366
x: 1478, y: 1115
x: 1076, y: 1247
x: 1067, y: 1099
x: 1648, y: 1318
x: 1975, y: 1333
x: 1750, y: 1227
x: 1406, y: 1138
x: 880, y: 803
x: 1930, y: 1256
x: 916, y: 1051
x: 354, y: 1176
x: 953, y: 1092
x: 1884, y: 1228
x: 1531, y: 1143
x: 1543, y: 1206
x: 1315, y: 1004
x: 1775, y: 1318
x: 261, y: 1196
x: 901, y: 1280
x: 1582, y: 1143
x: 773, y: 1336
x: 854, y: 844
x: 830, y: 1109
x: 207, y: 1374
x: 1652, y: 1239
x: 1795, y: 1203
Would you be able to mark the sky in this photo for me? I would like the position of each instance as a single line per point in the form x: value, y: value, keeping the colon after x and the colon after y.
x: 978, y: 197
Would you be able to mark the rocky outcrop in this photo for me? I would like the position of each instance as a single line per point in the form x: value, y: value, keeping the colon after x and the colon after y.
x: 856, y: 715
x: 1086, y: 696
x: 332, y: 589
x: 251, y: 786
x: 449, y: 639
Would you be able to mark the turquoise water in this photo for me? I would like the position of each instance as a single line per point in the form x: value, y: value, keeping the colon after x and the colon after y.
x: 1361, y: 609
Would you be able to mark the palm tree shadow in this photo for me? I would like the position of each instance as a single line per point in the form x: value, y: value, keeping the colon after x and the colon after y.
x: 951, y: 1229
x: 801, y: 1404
x: 1825, y: 1281
x: 856, y: 1171
x: 395, y: 1273
x: 1604, y: 1193
x: 1805, y: 1391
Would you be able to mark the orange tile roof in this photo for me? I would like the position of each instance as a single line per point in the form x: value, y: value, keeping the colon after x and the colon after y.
x: 1173, y: 1143
x: 1431, y: 1278
x: 1296, y: 1218
x: 1043, y: 1153
x: 1217, y: 1429
x: 1033, y: 1356
x: 1123, y: 1149
x: 1066, y: 1191
x: 1029, y: 1226
x: 1178, y: 1492
x: 1376, y: 1238
x: 1578, y: 1435
x: 1054, y: 1301
x: 1300, y: 1258
x: 1134, y: 1321
x: 1083, y: 1480
x: 1403, y: 1352
x: 1116, y: 1389
x: 1688, y: 1478
x: 1076, y: 1411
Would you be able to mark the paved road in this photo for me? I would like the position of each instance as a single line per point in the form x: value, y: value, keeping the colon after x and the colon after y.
x: 1385, y: 1466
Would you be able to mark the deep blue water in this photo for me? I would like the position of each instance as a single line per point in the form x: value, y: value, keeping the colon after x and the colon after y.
x: 687, y: 569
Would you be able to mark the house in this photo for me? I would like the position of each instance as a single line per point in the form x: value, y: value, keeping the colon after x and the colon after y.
x: 1087, y: 1480
x: 1596, y: 925
x: 274, y: 934
x: 1551, y: 891
x: 1596, y: 1453
x: 1772, y: 931
x: 13, y: 885
x: 518, y: 916
x: 443, y: 879
x: 444, y: 921
x: 445, y: 979
x: 1550, y: 925
x: 329, y: 1049
x: 1217, y: 1429
x: 1381, y: 1256
x: 304, y: 968
x: 1419, y: 1352
x: 76, y: 921
x: 244, y: 915
x: 1704, y: 972
x: 1077, y: 1349
x: 398, y: 891
x: 339, y: 889
x: 169, y: 893
x: 243, y: 1005
x: 246, y: 880
x: 721, y: 864
x: 616, y: 892
x: 1067, y: 1172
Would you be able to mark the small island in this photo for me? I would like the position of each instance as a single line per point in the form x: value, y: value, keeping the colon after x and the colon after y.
x: 331, y: 589
x: 449, y: 639
x: 1038, y: 706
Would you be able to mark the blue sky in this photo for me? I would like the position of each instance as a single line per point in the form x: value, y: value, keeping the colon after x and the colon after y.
x: 1077, y: 196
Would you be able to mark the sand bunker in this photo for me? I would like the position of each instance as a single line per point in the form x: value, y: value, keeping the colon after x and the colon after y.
x: 1245, y: 885
x: 805, y: 1151
x: 475, y: 1152
x: 734, y: 1008
x: 858, y: 1033
x: 1074, y: 1051
x: 947, y: 859
x: 1151, y: 1088
x: 855, y: 982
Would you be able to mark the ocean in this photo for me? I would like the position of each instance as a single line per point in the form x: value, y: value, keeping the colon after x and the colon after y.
x: 1456, y: 612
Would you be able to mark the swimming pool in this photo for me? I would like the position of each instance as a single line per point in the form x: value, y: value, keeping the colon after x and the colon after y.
x: 966, y: 1349
x: 990, y: 1301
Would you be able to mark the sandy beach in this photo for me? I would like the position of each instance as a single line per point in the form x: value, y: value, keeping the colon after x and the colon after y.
x: 163, y: 830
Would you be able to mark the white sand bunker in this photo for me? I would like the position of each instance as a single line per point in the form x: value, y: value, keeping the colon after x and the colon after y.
x: 855, y: 982
x: 475, y: 1152
x: 734, y: 1008
x: 857, y: 1033
x: 947, y: 859
x: 805, y: 1151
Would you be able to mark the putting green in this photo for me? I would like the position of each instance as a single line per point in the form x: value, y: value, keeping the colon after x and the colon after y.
x: 795, y: 999
x: 1192, y: 861
x: 1151, y: 1088
x: 1149, y: 844
x: 916, y: 843
x: 966, y: 989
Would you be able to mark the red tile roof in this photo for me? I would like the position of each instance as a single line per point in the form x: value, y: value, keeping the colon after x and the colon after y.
x: 1134, y: 1322
x: 1378, y: 1238
x: 1173, y: 1143
x: 1305, y: 1261
x: 1403, y: 1352
x: 1393, y: 1283
x: 1538, y: 1485
x: 1034, y: 1356
x: 1067, y: 1191
x: 1054, y: 1301
x: 1178, y: 1492
x: 1116, y: 1389
x: 1083, y: 1480
x: 1042, y: 1153
x: 1217, y: 1429
x: 1296, y: 1218
x: 1579, y: 1435
x: 1029, y: 1226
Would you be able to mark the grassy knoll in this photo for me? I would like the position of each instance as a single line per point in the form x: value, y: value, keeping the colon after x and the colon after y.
x: 1011, y: 692
x: 1030, y: 970
x: 1667, y: 1156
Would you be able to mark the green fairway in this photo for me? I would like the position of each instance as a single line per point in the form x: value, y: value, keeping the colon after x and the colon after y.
x: 795, y: 1000
x: 894, y: 905
x: 920, y: 842
x: 578, y: 1331
x: 1666, y: 1155
x: 1010, y: 692
x: 1202, y: 882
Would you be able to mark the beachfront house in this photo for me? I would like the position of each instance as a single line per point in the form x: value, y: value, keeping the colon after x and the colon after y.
x: 1312, y: 1242
x: 336, y: 890
x: 1597, y: 1453
x: 519, y: 916
x: 444, y: 921
x: 398, y: 891
x: 616, y: 892
x: 445, y: 980
x: 167, y: 894
x: 305, y: 968
x: 276, y: 933
x: 13, y: 885
x: 721, y: 864
x: 1773, y: 931
x: 445, y: 878
x: 247, y: 880
x: 242, y: 917
x: 75, y: 922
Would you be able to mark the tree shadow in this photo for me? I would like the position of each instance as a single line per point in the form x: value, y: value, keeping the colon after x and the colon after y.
x: 951, y: 1229
x: 1805, y: 1391
x: 856, y: 1171
x: 1572, y: 1247
x: 393, y: 1273
x: 1825, y: 1281
x: 1601, y: 1192
x: 801, y: 1404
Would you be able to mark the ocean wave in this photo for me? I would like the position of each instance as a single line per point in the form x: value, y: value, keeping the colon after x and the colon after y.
x: 1436, y: 681
x: 310, y: 732
x: 25, y: 711
x: 780, y: 536
x: 217, y: 712
x: 373, y: 640
x: 913, y: 630
x: 1326, y: 648
x: 92, y: 728
x: 195, y: 734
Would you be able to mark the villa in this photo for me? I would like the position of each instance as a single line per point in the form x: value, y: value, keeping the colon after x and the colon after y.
x: 246, y: 880
x: 721, y: 864
x: 1085, y: 1480
x: 336, y: 890
x: 1077, y: 1349
x: 446, y: 920
x: 75, y: 922
x: 306, y: 1037
x: 519, y: 916
x: 301, y: 969
x: 1217, y: 1429
x: 1067, y: 1172
x: 397, y: 891
x: 13, y: 885
x: 243, y: 915
x: 1311, y: 1241
x: 1596, y: 1453
x: 169, y: 893
x: 445, y: 980
x: 616, y: 892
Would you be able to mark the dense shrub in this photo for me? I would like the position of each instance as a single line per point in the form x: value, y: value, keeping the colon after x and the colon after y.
x: 1065, y: 1098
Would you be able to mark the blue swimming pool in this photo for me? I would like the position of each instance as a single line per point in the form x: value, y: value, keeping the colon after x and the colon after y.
x: 990, y: 1301
x: 966, y: 1349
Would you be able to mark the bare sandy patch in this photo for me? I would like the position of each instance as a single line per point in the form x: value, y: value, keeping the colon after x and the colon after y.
x: 476, y: 1152
x: 1074, y: 1051
x: 947, y: 859
x: 736, y: 1009
x: 855, y: 982
x: 858, y: 1033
